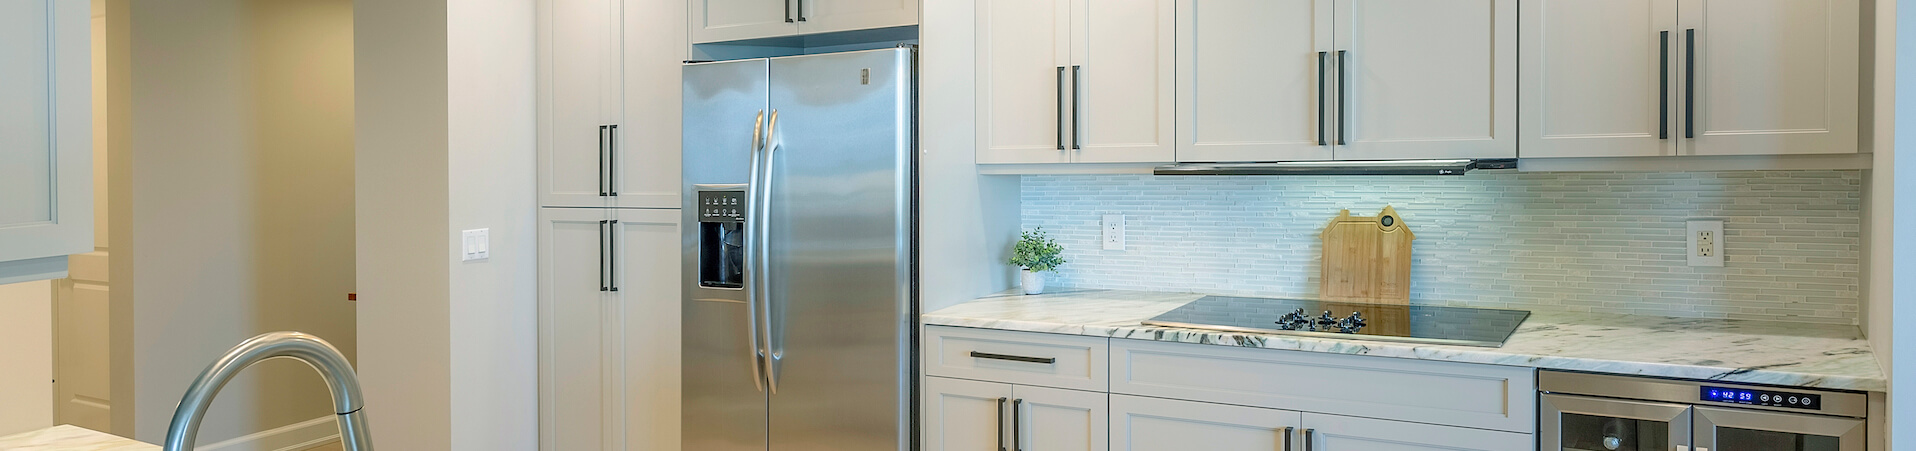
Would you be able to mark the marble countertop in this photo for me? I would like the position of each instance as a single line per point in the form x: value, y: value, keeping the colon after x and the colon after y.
x: 1787, y: 354
x: 71, y: 438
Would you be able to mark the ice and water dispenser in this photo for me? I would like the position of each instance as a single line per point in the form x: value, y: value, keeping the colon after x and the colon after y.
x: 722, y: 238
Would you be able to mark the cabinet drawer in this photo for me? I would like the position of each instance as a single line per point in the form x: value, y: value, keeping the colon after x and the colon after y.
x: 1050, y: 360
x: 1448, y: 393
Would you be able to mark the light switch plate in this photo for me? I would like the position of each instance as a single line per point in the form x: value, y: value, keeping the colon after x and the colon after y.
x: 475, y: 244
x: 1113, y: 232
x: 1705, y: 242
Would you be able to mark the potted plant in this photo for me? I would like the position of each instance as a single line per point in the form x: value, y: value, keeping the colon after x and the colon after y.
x: 1035, y: 254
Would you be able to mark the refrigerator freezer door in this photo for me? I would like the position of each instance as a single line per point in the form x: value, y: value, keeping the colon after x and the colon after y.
x: 839, y: 251
x: 724, y: 408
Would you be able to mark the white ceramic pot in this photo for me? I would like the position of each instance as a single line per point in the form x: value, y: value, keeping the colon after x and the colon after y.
x: 1033, y: 281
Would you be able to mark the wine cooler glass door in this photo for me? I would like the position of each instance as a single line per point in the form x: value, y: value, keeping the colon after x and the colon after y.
x: 1576, y: 423
x: 1754, y: 430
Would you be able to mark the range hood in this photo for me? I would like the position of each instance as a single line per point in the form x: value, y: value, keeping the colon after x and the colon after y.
x: 1379, y: 167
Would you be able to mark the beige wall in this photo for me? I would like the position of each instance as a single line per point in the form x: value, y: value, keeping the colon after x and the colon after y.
x: 241, y: 201
x: 445, y: 114
x: 26, y: 345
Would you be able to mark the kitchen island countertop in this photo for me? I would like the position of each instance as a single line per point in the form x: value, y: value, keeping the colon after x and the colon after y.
x: 1758, y: 352
x: 71, y: 438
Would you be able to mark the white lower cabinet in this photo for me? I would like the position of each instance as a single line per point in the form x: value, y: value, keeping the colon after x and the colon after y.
x: 1143, y: 424
x: 964, y: 415
x: 1342, y: 433
x: 609, y: 329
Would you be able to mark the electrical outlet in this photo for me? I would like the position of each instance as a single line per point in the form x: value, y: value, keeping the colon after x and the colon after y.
x: 1705, y: 242
x: 1113, y: 232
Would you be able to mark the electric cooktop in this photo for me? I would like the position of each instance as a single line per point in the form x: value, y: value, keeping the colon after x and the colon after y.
x: 1396, y: 323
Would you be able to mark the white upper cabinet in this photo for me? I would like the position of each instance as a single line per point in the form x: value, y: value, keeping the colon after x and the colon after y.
x: 46, y: 140
x: 1253, y: 80
x: 609, y: 103
x: 732, y: 20
x: 1596, y: 78
x: 1690, y: 77
x: 1426, y: 79
x: 1076, y: 81
x: 1769, y: 77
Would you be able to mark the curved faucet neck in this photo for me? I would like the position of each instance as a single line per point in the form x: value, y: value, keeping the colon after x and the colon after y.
x: 317, y: 353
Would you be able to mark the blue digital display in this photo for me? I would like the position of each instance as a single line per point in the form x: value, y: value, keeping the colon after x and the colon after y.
x: 1763, y: 398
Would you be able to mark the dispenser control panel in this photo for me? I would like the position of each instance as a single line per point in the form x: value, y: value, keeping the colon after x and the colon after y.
x: 721, y: 206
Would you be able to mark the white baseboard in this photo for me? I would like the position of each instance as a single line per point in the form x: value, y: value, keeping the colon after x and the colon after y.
x: 292, y: 437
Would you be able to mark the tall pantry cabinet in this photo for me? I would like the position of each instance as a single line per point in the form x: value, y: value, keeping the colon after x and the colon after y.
x: 46, y: 139
x: 608, y: 165
x: 1690, y: 77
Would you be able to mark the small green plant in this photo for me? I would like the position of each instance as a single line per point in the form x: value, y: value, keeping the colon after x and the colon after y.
x: 1036, y: 252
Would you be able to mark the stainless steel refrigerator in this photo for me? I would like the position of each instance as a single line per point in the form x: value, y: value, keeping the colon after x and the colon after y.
x: 798, y: 249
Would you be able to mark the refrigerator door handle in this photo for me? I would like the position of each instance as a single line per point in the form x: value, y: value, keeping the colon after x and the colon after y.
x: 751, y: 265
x: 772, y: 355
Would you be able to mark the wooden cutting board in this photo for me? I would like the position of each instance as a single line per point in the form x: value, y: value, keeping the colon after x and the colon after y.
x: 1367, y: 259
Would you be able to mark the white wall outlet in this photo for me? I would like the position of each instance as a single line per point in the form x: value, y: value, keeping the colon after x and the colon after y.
x: 1113, y: 232
x: 475, y: 244
x: 1705, y: 242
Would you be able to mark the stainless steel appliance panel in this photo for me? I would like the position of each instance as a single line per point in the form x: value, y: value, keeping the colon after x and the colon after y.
x: 724, y: 398
x: 838, y: 191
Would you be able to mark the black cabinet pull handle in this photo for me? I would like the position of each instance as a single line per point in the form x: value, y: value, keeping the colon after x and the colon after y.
x: 788, y: 11
x: 1663, y: 88
x: 1322, y: 63
x: 602, y: 256
x: 1287, y: 438
x: 1689, y: 83
x: 1343, y: 91
x: 1077, y: 107
x: 801, y: 10
x: 1308, y: 436
x: 1060, y: 127
x: 1001, y: 424
x: 612, y: 161
x: 1017, y: 425
x: 1014, y: 358
x: 612, y: 245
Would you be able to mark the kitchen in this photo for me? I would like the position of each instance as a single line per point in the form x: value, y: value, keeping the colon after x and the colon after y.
x: 1311, y: 224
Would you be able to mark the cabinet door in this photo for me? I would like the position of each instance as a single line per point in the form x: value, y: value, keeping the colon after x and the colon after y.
x: 46, y: 188
x: 822, y: 16
x: 646, y: 146
x: 580, y: 377
x: 1427, y: 79
x: 1341, y: 433
x: 646, y: 284
x: 1770, y: 76
x: 1597, y: 78
x: 1054, y: 419
x: 1156, y: 424
x: 1253, y: 80
x: 578, y: 84
x: 731, y: 20
x: 1123, y: 72
x: 965, y: 415
x: 1024, y: 48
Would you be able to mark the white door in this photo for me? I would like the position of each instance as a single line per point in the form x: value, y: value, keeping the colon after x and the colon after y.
x: 1253, y: 80
x: 1156, y: 424
x: 46, y: 198
x: 580, y: 322
x: 1123, y: 71
x: 731, y: 20
x: 965, y: 415
x: 1024, y: 50
x: 1597, y: 78
x: 1341, y: 433
x: 579, y: 80
x: 1770, y: 76
x: 1054, y: 419
x: 1427, y: 79
x: 646, y: 287
x: 820, y: 16
x: 646, y: 146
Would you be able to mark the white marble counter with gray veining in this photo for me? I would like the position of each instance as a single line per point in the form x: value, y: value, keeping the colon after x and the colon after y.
x: 71, y: 438
x: 1788, y: 354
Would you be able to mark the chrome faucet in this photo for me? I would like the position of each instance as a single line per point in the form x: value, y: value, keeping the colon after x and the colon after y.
x: 294, y: 345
